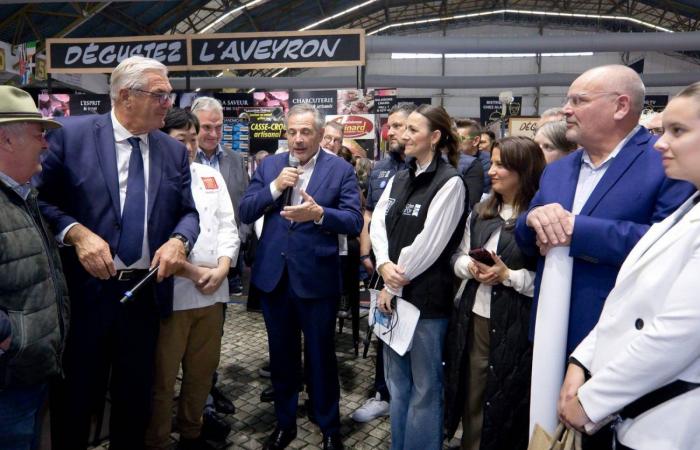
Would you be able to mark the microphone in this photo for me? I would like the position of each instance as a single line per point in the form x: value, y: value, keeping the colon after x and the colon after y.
x: 293, y: 162
x: 129, y: 295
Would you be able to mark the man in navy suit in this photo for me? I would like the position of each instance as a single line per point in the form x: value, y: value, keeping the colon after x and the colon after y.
x: 297, y: 268
x: 116, y: 191
x: 602, y: 198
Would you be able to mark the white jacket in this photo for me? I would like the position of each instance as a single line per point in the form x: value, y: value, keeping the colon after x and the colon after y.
x: 648, y: 336
x: 218, y: 236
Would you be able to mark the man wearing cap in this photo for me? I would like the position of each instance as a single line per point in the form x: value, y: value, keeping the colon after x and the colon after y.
x: 116, y: 192
x: 33, y: 298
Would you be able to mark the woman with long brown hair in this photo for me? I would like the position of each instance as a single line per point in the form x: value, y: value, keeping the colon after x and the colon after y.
x: 489, y: 355
x: 416, y: 226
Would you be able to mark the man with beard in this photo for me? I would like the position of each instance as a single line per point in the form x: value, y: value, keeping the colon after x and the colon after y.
x: 469, y: 132
x: 378, y: 404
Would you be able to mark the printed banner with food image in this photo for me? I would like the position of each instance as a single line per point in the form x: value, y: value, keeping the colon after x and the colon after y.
x: 359, y: 133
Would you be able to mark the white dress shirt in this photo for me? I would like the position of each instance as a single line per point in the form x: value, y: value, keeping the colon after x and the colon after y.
x: 522, y: 280
x: 444, y: 213
x: 123, y: 149
x: 218, y: 236
x: 590, y: 175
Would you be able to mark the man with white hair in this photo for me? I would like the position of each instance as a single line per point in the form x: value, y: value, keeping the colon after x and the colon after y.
x: 597, y: 201
x: 115, y: 190
x: 230, y: 164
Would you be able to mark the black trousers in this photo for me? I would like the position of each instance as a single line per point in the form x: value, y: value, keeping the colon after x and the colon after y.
x: 111, y: 346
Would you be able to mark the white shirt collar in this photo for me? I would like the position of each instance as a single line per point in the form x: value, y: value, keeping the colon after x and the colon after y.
x: 312, y: 162
x: 122, y: 134
x: 587, y: 159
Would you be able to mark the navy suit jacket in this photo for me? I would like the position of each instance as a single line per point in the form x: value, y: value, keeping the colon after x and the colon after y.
x: 309, y: 251
x: 79, y: 183
x: 633, y: 194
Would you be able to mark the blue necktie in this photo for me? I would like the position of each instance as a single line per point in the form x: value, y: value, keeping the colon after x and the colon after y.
x: 133, y: 214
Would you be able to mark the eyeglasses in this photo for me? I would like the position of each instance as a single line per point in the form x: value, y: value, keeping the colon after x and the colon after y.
x: 577, y: 100
x: 162, y: 97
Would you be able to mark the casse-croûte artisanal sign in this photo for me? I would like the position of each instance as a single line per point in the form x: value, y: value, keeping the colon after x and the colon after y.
x: 319, y: 48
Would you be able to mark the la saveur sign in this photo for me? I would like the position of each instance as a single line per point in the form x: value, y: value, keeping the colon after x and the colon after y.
x: 320, y: 48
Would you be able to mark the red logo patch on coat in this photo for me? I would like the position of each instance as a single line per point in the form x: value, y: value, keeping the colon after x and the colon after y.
x: 210, y: 183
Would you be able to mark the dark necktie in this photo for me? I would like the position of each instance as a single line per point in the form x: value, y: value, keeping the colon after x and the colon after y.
x: 133, y: 214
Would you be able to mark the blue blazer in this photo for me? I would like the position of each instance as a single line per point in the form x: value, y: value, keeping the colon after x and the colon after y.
x: 79, y: 183
x: 309, y: 251
x: 633, y: 194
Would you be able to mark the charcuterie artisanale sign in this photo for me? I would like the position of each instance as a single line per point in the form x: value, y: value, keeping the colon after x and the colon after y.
x: 319, y: 48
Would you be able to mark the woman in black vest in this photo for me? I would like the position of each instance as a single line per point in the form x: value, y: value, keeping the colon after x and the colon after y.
x: 488, y: 353
x: 416, y: 227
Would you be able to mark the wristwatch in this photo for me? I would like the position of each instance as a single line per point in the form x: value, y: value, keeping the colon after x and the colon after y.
x: 184, y: 240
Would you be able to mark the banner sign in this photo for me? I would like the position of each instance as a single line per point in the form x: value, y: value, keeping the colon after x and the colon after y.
x: 83, y: 104
x: 523, y: 126
x: 282, y: 49
x: 102, y: 55
x: 180, y: 52
x: 490, y: 108
x: 324, y: 101
x: 384, y: 100
x: 655, y: 103
x: 355, y: 101
x: 355, y: 126
x: 234, y: 103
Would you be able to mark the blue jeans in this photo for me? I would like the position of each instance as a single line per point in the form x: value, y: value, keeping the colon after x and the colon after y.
x: 20, y: 424
x: 415, y: 383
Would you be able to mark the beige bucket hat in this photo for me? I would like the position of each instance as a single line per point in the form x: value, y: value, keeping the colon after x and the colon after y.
x: 17, y: 105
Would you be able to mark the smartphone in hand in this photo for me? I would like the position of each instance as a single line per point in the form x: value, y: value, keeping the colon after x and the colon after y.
x: 482, y: 255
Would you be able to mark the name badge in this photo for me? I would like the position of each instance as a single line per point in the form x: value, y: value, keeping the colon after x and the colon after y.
x: 210, y: 183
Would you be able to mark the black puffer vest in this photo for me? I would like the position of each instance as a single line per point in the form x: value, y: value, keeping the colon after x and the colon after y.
x: 506, y: 401
x: 432, y: 291
x: 33, y: 293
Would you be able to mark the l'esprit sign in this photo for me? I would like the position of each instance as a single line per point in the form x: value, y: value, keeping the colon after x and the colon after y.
x: 320, y: 48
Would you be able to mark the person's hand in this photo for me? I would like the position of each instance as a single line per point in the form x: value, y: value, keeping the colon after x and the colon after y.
x: 5, y: 345
x: 93, y: 252
x: 553, y: 224
x: 171, y: 257
x: 489, y: 275
x: 544, y: 248
x: 308, y: 210
x: 384, y: 301
x: 393, y: 275
x: 573, y: 415
x: 568, y: 407
x: 211, y: 280
x: 287, y: 178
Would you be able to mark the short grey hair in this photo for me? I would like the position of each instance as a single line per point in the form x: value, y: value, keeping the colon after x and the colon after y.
x: 129, y: 74
x: 336, y: 126
x: 206, y: 104
x: 305, y: 108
